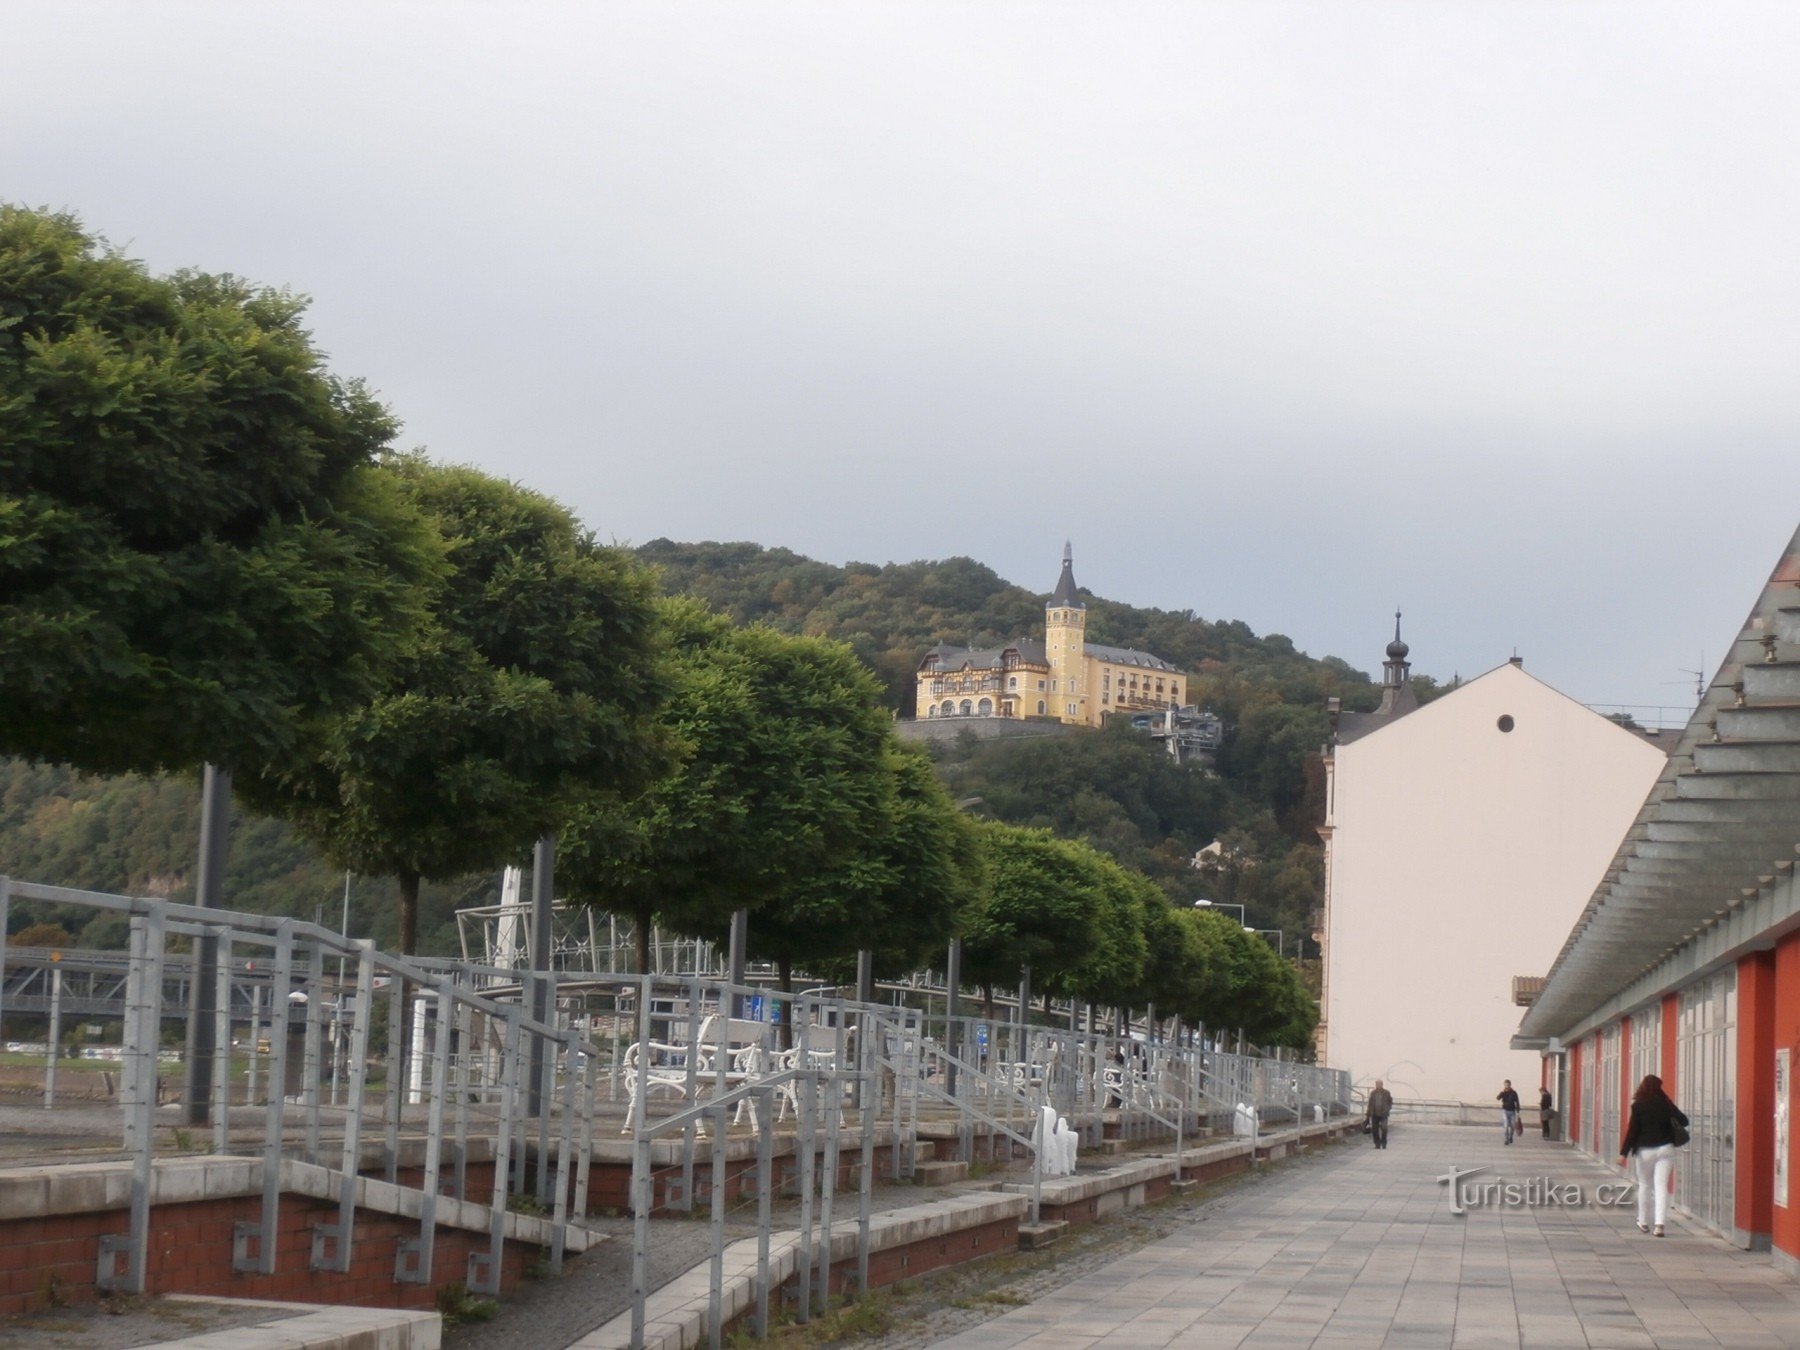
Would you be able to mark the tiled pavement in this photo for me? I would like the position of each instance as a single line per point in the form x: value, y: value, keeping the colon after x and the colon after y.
x: 1359, y: 1247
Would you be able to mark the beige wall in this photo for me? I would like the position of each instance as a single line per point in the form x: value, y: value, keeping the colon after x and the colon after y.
x: 1459, y: 856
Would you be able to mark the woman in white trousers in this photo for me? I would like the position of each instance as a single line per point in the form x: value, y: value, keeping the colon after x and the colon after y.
x: 1656, y: 1129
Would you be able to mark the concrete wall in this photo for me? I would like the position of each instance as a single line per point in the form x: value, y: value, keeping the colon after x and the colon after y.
x: 982, y: 728
x: 1460, y: 855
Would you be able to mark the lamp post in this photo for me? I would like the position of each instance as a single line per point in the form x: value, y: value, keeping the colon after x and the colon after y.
x: 1221, y: 904
x: 1280, y: 937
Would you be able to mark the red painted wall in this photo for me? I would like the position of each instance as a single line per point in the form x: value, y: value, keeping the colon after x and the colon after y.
x: 1671, y: 1051
x: 1755, y: 1163
x: 1784, y: 1224
x: 1573, y: 1105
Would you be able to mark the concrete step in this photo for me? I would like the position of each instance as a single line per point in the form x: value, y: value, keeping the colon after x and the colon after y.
x: 940, y: 1173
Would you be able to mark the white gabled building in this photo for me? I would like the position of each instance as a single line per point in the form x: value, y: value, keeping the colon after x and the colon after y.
x: 1462, y: 838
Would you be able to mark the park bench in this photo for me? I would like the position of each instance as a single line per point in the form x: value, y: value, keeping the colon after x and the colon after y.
x: 726, y: 1053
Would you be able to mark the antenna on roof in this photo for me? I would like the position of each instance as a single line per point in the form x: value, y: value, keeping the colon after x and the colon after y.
x: 1699, y: 678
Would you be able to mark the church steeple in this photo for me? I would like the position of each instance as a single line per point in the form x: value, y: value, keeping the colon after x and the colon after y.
x: 1396, y: 686
x: 1395, y: 669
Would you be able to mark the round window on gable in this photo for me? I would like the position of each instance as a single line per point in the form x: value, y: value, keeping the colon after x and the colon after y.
x: 1505, y: 723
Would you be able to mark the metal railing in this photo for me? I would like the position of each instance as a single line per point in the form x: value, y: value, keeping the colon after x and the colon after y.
x: 365, y: 1059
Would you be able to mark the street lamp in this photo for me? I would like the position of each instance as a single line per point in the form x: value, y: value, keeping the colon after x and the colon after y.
x: 1220, y: 904
x: 1280, y: 938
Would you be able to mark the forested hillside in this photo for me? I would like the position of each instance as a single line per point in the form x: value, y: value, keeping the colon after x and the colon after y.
x: 1113, y: 790
x: 891, y: 614
x: 139, y: 835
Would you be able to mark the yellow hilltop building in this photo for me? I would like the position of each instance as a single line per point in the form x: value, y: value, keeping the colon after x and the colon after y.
x: 1064, y: 678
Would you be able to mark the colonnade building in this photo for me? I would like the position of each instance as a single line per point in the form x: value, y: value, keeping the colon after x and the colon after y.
x: 1685, y: 960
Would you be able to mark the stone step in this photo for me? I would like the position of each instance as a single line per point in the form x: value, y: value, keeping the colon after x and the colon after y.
x: 940, y: 1173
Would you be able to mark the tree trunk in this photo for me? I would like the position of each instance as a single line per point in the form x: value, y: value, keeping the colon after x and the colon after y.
x: 409, y: 912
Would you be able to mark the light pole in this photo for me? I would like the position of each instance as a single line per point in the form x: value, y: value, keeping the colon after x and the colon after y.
x: 1221, y: 904
x: 1280, y: 937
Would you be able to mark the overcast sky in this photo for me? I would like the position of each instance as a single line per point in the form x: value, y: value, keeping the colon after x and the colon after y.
x: 1289, y: 313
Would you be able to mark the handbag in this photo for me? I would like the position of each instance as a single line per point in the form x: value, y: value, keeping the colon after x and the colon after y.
x: 1678, y: 1133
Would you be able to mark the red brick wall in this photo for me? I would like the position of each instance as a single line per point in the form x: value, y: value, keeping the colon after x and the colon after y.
x: 47, y: 1260
x: 934, y: 1253
x: 609, y: 1184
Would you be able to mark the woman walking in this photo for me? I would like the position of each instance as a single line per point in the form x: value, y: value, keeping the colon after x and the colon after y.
x: 1657, y: 1128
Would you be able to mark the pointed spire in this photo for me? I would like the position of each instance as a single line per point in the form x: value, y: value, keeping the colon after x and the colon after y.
x: 1066, y: 595
x: 1397, y: 649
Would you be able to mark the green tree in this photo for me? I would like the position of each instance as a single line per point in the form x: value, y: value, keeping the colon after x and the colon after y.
x: 1114, y: 970
x: 784, y: 777
x: 1041, y: 905
x: 898, y: 896
x: 196, y: 548
x: 532, y: 687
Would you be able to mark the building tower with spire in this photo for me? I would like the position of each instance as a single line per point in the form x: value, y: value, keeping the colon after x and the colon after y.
x: 1063, y: 678
x: 1065, y: 642
x: 1397, y: 695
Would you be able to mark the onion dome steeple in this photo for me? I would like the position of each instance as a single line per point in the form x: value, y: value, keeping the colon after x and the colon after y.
x: 1396, y: 688
x: 1397, y: 650
x: 1066, y: 596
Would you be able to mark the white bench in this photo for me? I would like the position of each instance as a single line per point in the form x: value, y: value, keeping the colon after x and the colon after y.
x: 726, y: 1053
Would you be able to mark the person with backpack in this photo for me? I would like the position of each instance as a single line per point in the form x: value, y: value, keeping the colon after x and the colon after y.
x: 1656, y: 1129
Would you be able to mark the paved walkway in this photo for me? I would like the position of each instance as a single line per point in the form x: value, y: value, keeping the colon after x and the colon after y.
x: 1359, y: 1247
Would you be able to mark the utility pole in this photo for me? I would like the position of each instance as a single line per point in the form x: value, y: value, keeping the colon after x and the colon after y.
x: 197, y: 1066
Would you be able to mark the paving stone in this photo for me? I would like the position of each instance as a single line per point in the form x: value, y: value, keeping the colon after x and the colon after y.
x: 1358, y: 1247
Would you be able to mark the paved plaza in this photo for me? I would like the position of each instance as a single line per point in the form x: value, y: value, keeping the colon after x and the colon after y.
x: 1360, y: 1247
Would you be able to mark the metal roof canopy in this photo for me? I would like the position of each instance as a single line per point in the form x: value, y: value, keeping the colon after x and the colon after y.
x: 1721, y: 822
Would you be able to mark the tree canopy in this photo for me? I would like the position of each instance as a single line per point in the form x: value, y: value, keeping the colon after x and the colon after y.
x: 196, y: 550
x: 531, y: 688
x: 785, y: 775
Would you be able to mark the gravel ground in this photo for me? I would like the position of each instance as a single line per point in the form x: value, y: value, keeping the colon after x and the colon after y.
x: 595, y: 1287
x: 122, y: 1323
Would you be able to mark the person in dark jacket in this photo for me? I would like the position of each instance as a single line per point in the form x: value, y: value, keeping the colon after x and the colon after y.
x: 1650, y: 1144
x: 1546, y: 1109
x: 1381, y: 1102
x: 1509, y: 1109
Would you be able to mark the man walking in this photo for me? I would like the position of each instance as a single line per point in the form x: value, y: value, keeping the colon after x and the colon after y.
x: 1509, y: 1109
x: 1381, y: 1101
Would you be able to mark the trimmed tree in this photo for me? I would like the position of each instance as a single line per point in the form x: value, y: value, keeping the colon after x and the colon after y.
x: 196, y: 551
x: 784, y: 777
x: 1040, y: 906
x: 898, y: 896
x: 532, y: 687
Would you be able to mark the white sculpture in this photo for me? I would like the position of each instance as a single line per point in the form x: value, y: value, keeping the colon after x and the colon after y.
x: 1055, y: 1143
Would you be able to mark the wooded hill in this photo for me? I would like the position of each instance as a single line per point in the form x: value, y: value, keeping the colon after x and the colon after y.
x: 1112, y: 789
